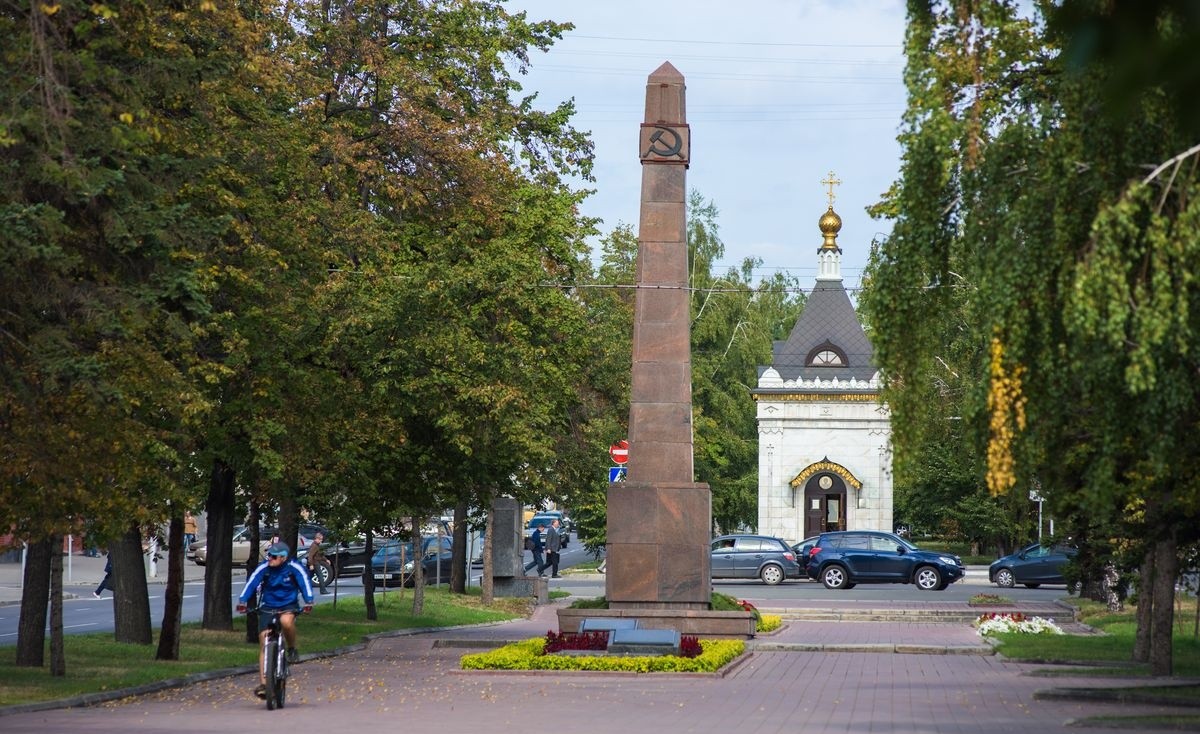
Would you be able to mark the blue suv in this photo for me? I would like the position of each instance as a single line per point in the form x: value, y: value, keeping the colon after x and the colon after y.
x: 845, y: 558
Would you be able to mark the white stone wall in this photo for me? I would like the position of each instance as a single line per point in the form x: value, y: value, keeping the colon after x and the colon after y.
x: 794, y: 434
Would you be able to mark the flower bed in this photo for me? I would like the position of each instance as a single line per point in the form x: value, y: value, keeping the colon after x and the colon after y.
x: 994, y: 623
x: 531, y: 655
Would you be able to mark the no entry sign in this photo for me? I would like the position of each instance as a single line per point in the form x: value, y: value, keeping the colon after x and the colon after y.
x: 619, y: 452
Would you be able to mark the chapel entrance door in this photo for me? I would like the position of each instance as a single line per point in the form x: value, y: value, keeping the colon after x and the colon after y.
x: 824, y: 504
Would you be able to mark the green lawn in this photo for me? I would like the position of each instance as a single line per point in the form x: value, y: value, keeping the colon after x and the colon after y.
x: 1114, y: 646
x: 96, y: 664
x: 1111, y: 655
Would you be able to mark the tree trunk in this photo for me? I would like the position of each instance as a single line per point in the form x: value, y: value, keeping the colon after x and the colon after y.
x: 460, y: 565
x: 58, y: 652
x: 131, y: 598
x: 287, y: 524
x: 1166, y: 564
x: 418, y: 607
x: 1145, y: 606
x: 35, y: 591
x: 218, y: 574
x: 256, y: 541
x: 172, y: 619
x: 368, y: 581
x: 486, y: 588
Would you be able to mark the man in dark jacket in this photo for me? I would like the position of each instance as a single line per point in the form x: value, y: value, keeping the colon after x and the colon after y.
x: 553, y: 544
x: 535, y: 545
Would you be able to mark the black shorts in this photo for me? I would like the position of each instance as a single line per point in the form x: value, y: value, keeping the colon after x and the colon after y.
x: 265, y: 614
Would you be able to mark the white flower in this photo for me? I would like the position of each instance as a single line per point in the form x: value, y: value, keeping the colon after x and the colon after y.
x: 991, y: 624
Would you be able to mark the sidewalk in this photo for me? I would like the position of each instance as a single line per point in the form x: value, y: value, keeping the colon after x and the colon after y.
x: 83, y: 572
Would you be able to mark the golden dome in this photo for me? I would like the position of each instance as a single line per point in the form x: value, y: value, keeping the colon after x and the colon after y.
x: 830, y: 224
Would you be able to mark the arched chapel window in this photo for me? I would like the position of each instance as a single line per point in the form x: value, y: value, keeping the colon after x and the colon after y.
x: 826, y: 355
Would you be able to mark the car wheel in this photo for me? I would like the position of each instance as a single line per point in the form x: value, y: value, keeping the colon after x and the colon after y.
x: 320, y: 575
x: 1032, y: 586
x: 771, y: 574
x: 1005, y: 578
x: 834, y: 577
x: 927, y: 578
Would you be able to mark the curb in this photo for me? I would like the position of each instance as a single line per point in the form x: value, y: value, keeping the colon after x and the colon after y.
x: 901, y: 649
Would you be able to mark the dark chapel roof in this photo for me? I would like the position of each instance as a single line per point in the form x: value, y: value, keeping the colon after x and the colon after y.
x: 827, y: 325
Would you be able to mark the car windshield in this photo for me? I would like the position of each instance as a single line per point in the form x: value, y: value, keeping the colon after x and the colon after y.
x: 907, y: 544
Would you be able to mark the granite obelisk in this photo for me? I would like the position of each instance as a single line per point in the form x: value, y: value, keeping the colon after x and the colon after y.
x: 659, y: 519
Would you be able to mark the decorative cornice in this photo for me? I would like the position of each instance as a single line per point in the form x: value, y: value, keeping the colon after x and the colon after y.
x: 825, y: 465
x: 850, y: 397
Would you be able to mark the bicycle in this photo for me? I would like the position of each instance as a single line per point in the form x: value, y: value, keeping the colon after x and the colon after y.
x: 275, y: 662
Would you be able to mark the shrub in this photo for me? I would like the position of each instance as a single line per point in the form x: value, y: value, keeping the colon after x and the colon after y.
x: 768, y: 623
x: 530, y: 655
x: 983, y: 600
x: 557, y: 641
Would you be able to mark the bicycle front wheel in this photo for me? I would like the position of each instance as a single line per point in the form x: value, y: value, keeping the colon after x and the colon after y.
x: 281, y: 676
x: 271, y: 671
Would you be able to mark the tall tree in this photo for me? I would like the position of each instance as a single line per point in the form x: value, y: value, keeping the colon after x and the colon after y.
x: 1028, y: 233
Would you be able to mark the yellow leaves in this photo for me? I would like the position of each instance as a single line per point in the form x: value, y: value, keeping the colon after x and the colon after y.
x: 104, y: 11
x: 1006, y: 408
x: 49, y: 9
x: 126, y: 117
x: 208, y: 7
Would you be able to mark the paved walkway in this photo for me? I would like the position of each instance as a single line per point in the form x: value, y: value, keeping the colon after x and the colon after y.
x: 413, y: 683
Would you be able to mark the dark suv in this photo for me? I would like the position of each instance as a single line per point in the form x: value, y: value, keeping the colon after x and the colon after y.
x: 845, y: 558
x: 753, y: 556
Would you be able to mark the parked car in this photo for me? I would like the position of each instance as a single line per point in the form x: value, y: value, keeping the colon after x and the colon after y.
x: 349, y: 557
x: 1032, y: 566
x: 198, y: 552
x: 392, y: 564
x: 845, y: 558
x: 753, y: 556
x: 544, y: 519
x: 802, y: 550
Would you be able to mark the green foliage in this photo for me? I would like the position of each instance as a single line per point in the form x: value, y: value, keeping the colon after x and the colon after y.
x: 1037, y: 288
x: 528, y: 655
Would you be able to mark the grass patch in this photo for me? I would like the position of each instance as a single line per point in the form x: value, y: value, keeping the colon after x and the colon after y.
x: 1112, y: 654
x: 1156, y: 723
x: 95, y: 663
x: 1114, y: 646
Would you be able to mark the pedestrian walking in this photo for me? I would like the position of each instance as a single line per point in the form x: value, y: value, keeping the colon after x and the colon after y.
x: 189, y: 530
x: 553, y: 544
x: 535, y: 545
x: 316, y: 559
x: 104, y: 581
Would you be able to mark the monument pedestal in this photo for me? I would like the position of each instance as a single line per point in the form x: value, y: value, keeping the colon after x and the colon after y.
x: 658, y: 553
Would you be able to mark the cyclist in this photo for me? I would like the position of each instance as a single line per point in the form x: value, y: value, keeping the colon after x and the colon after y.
x: 282, y: 582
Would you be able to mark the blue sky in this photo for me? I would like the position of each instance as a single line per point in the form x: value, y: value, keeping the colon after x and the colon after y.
x: 779, y: 93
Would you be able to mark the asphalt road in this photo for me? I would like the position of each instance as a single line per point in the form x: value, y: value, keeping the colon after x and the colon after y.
x: 86, y: 614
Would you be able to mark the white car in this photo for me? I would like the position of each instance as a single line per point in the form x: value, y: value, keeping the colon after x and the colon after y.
x: 544, y: 519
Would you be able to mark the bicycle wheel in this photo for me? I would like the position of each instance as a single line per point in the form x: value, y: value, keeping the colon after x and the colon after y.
x: 271, y: 665
x: 281, y: 676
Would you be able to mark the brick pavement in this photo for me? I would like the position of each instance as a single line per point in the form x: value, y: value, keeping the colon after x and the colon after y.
x: 412, y: 683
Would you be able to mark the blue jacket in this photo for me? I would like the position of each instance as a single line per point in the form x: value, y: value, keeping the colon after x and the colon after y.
x: 536, y: 539
x: 279, y: 585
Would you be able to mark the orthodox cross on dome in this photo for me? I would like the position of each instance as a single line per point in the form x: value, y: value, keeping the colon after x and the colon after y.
x: 831, y: 181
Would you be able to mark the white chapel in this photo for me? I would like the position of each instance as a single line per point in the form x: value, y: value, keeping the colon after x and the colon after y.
x: 824, y: 456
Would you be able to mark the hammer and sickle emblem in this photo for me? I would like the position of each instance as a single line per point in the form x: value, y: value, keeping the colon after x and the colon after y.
x: 665, y: 148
